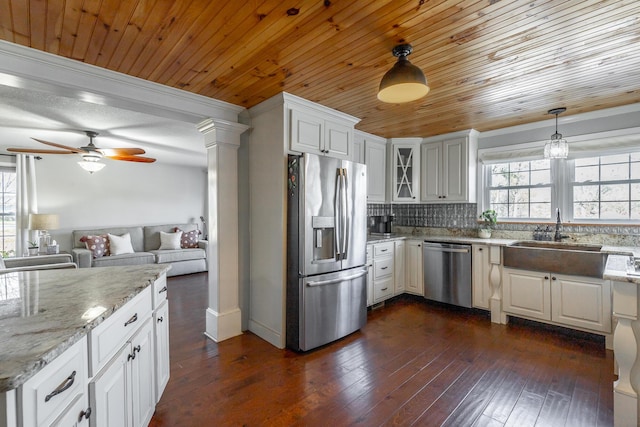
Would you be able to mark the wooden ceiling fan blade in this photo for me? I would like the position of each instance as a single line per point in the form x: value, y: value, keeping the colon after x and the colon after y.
x: 64, y: 147
x: 138, y: 159
x: 121, y: 151
x: 36, y: 151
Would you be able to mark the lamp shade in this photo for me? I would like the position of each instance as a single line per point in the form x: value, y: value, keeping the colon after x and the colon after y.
x: 91, y: 166
x: 43, y: 222
x: 404, y: 82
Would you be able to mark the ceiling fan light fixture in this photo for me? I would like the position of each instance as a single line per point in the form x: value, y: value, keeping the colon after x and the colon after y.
x: 404, y: 82
x: 91, y: 163
x: 557, y: 147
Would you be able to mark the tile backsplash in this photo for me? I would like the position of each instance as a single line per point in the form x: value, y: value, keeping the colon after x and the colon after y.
x: 461, y: 219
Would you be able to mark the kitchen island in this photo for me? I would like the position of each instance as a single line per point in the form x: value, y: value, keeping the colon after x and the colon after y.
x: 45, y: 316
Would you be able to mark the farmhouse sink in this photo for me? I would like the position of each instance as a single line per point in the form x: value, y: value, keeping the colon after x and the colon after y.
x: 556, y: 257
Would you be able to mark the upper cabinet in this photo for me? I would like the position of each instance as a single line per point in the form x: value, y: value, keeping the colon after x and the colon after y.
x: 372, y: 151
x: 405, y: 169
x: 319, y: 130
x: 449, y: 168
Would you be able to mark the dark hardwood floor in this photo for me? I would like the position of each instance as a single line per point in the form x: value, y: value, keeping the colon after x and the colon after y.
x: 415, y: 363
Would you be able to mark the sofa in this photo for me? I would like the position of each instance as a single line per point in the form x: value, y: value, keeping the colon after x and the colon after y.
x: 145, y: 243
x: 36, y: 262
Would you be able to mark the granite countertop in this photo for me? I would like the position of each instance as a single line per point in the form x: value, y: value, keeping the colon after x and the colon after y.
x: 430, y: 238
x: 41, y: 312
x: 616, y: 269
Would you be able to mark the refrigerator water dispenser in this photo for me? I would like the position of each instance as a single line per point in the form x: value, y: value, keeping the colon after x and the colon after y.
x: 323, y: 238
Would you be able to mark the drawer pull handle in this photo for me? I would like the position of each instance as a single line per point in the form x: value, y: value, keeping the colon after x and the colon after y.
x: 384, y: 250
x: 384, y: 289
x: 160, y: 319
x: 133, y: 319
x: 164, y: 289
x: 85, y: 414
x: 68, y: 382
x: 383, y: 268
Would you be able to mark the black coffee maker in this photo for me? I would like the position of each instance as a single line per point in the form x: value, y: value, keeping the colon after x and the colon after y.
x: 380, y: 225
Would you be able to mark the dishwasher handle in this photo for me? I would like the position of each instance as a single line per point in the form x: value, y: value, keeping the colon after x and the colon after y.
x: 441, y: 249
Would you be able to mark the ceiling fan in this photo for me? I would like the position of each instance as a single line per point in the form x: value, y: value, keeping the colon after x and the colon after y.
x: 91, y: 154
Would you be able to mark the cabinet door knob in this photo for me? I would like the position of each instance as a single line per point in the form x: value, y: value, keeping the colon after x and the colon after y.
x: 160, y: 319
x: 546, y: 277
x: 85, y: 414
x: 480, y: 249
x: 553, y: 278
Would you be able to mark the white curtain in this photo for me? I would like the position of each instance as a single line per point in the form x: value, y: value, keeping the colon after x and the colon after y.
x: 26, y: 200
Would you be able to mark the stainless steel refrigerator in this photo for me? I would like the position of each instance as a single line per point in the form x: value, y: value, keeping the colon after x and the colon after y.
x: 326, y: 250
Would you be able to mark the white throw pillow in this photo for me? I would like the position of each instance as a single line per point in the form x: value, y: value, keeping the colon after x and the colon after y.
x: 170, y: 241
x: 119, y: 245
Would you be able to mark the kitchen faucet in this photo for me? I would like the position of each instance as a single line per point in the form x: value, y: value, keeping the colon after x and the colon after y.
x: 558, y: 236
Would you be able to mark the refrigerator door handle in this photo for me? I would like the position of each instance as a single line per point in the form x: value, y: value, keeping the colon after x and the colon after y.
x: 345, y: 219
x: 337, y: 231
x: 337, y: 280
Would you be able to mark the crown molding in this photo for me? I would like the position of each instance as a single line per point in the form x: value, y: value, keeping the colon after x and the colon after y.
x: 28, y: 68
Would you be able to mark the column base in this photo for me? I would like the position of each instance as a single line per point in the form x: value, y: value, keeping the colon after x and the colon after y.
x: 221, y: 326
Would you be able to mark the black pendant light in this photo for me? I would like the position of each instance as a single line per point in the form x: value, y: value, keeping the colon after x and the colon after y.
x: 404, y: 82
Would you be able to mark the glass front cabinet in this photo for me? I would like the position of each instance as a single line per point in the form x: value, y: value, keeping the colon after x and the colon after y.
x: 406, y: 169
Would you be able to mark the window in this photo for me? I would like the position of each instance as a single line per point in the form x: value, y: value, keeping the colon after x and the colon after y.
x: 521, y: 189
x: 8, y: 211
x: 598, y: 188
x: 606, y: 187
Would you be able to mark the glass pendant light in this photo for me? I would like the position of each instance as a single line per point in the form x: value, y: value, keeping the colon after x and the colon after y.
x: 404, y: 82
x: 557, y: 147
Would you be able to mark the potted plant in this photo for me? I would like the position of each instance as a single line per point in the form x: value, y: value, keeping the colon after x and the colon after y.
x: 489, y: 219
x: 33, y: 248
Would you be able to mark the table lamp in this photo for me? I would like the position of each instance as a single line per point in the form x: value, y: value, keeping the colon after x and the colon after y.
x: 43, y: 223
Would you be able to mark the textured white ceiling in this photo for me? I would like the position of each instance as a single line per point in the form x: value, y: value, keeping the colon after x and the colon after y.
x: 28, y: 113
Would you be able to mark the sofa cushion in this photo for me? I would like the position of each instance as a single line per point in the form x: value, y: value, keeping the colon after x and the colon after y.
x: 152, y: 234
x: 98, y: 245
x: 135, y: 232
x: 189, y: 239
x: 170, y: 241
x: 120, y: 245
x: 137, y: 258
x: 178, y: 255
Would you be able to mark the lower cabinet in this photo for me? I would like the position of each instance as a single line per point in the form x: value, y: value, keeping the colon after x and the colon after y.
x: 414, y: 274
x: 161, y: 334
x: 573, y: 301
x: 383, y: 266
x: 399, y: 267
x: 123, y: 393
x: 481, y: 289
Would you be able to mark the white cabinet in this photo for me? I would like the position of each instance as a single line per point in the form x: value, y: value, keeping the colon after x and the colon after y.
x: 527, y: 293
x: 383, y: 276
x: 376, y: 155
x: 449, y: 168
x: 369, y: 275
x: 76, y: 415
x: 57, y: 390
x: 405, y: 170
x: 123, y: 393
x: 399, y: 266
x: 414, y: 273
x: 313, y: 131
x: 481, y: 289
x: 161, y: 354
x: 358, y: 148
x: 579, y: 302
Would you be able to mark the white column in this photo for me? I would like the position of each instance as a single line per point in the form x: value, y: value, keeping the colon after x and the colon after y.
x: 222, y: 139
x: 495, y: 279
x: 625, y: 349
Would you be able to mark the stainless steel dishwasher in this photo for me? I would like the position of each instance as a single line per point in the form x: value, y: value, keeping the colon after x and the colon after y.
x: 447, y: 272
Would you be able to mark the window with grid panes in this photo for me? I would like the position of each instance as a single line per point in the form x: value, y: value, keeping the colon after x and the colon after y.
x: 606, y: 187
x: 8, y: 213
x: 521, y: 189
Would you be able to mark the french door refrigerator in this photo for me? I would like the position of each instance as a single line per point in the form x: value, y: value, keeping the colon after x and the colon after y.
x: 326, y: 250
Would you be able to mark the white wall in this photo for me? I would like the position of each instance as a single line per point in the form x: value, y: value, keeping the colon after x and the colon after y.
x: 121, y: 194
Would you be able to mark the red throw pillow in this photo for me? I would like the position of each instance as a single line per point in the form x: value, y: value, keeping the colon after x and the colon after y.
x: 98, y: 245
x: 189, y: 238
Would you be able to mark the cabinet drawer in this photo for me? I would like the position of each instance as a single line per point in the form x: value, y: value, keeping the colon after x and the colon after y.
x: 382, y: 289
x: 383, y: 249
x: 159, y: 291
x: 109, y: 336
x: 46, y: 395
x: 382, y: 268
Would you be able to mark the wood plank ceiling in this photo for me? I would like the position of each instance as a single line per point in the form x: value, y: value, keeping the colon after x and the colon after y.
x: 490, y: 63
